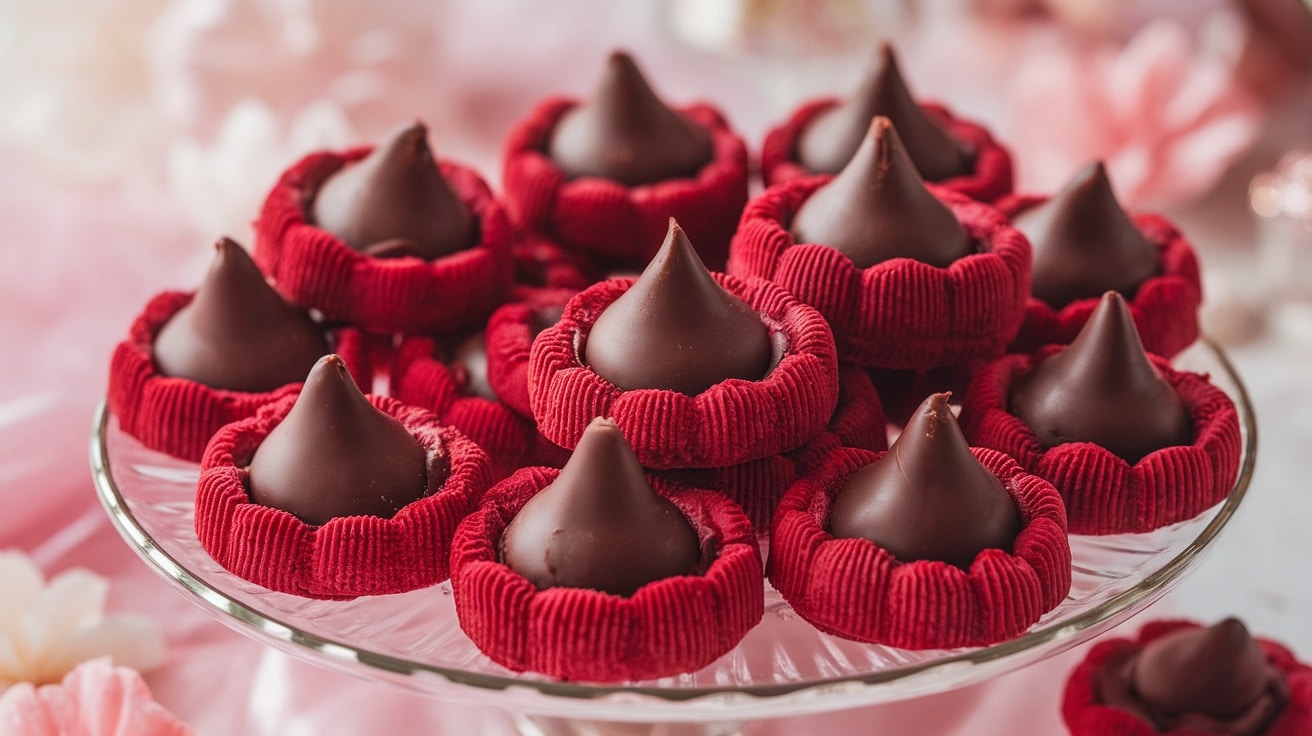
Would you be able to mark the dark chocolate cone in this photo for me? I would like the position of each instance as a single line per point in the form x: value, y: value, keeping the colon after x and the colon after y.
x: 676, y: 328
x: 238, y: 333
x: 878, y: 208
x: 395, y: 202
x: 830, y: 141
x: 1218, y: 671
x: 1085, y: 244
x: 600, y: 525
x: 626, y: 133
x: 336, y: 455
x: 928, y: 498
x: 1103, y: 389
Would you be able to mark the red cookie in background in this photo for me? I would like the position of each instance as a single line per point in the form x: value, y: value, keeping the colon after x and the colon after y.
x: 397, y: 288
x: 195, y: 361
x: 822, y: 135
x: 1183, y: 679
x: 1084, y: 244
x: 615, y: 215
x: 900, y: 284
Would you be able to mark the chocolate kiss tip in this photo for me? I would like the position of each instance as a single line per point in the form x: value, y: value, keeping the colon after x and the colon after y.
x: 600, y: 525
x: 676, y: 328
x: 1085, y: 243
x: 1219, y: 670
x: 621, y: 59
x: 928, y: 497
x: 1102, y: 388
x: 335, y: 455
x: 878, y: 208
x: 887, y: 144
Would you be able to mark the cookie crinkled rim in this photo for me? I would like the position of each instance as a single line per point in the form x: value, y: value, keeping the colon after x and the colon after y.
x: 314, y: 268
x: 348, y: 556
x: 677, y: 624
x: 855, y: 589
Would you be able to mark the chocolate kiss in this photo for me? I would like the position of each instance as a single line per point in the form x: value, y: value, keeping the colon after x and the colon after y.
x: 626, y: 133
x: 395, y: 202
x: 1103, y: 389
x: 878, y: 208
x: 1218, y: 671
x: 543, y: 317
x: 1084, y: 244
x: 677, y: 329
x: 237, y: 333
x: 600, y: 525
x: 829, y: 142
x: 470, y: 363
x: 336, y: 455
x: 928, y: 498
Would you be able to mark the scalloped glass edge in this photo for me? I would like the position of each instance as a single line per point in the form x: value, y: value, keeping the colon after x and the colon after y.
x: 617, y: 702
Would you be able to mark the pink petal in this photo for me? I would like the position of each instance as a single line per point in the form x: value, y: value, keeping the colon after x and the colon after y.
x: 104, y: 700
x: 24, y: 711
x: 1147, y: 72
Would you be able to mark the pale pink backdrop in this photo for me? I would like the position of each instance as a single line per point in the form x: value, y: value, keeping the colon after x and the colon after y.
x: 124, y: 156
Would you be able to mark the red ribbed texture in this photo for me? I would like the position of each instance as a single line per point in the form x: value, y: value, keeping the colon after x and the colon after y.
x: 855, y: 589
x: 729, y: 423
x: 679, y: 624
x: 990, y: 180
x: 349, y: 556
x: 509, y: 338
x: 901, y: 392
x: 758, y: 485
x: 313, y: 268
x: 900, y: 314
x: 1104, y: 494
x: 511, y: 440
x: 1165, y: 307
x: 541, y: 263
x: 615, y: 223
x: 1085, y: 715
x: 178, y: 416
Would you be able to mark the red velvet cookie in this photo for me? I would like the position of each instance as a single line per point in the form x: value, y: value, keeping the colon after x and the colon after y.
x: 668, y: 626
x: 316, y: 269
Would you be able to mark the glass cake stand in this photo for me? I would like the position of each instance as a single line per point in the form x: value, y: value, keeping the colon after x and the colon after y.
x: 783, y: 667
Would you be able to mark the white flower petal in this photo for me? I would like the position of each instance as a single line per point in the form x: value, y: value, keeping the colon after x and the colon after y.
x: 131, y: 641
x: 22, y: 581
x: 73, y: 600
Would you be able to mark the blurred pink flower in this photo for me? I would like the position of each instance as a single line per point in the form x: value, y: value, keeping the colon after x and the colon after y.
x: 1166, y: 118
x: 376, y: 62
x: 96, y: 699
x: 47, y: 628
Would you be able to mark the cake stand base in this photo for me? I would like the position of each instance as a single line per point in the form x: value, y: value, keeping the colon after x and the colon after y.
x: 548, y: 726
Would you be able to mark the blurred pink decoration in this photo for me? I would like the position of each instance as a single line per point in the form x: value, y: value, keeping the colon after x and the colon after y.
x: 1167, y: 118
x: 221, y: 184
x: 77, y: 89
x: 96, y: 699
x: 377, y: 62
x: 48, y: 628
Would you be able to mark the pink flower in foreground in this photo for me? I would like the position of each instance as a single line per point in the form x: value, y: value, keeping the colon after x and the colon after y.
x: 1166, y: 118
x: 47, y: 628
x: 96, y: 699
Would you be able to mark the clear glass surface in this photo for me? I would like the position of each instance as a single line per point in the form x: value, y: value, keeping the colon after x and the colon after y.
x: 782, y: 667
